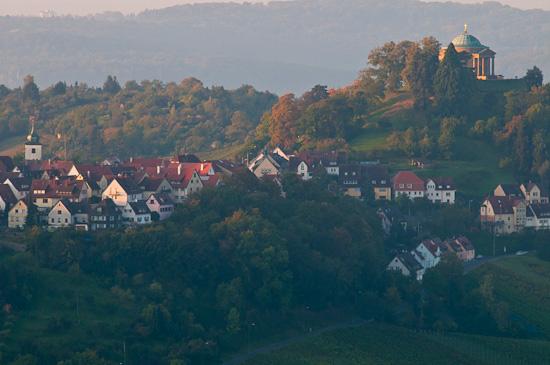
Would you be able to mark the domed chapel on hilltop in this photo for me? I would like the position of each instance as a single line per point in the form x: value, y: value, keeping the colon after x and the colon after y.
x: 482, y: 58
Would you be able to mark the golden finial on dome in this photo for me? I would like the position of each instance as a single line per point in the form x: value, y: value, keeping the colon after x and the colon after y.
x: 465, y: 27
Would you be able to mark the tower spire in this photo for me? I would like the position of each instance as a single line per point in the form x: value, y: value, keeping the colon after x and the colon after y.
x: 465, y: 28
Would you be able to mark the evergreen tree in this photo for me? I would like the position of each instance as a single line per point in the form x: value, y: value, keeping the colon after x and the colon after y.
x: 533, y: 77
x: 454, y: 85
x: 30, y: 90
x: 111, y: 85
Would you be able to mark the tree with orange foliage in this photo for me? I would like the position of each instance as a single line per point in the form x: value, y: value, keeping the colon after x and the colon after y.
x: 284, y: 115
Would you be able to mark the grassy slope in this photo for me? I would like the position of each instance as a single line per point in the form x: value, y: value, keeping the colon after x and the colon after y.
x: 101, y: 320
x: 385, y: 344
x: 476, y: 175
x: 522, y: 281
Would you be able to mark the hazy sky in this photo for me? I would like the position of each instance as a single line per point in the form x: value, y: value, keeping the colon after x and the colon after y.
x: 84, y: 7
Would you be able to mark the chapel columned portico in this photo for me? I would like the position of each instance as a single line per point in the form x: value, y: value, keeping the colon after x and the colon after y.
x: 481, y: 58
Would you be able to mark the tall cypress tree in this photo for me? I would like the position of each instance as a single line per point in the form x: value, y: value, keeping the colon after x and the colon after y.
x: 454, y: 85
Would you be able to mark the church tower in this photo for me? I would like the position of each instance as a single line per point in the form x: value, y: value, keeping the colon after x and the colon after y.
x: 33, y: 147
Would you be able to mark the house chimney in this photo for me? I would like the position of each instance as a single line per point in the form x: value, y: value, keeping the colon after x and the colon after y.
x: 158, y: 170
x: 179, y: 169
x: 202, y: 166
x: 88, y: 173
x: 131, y: 159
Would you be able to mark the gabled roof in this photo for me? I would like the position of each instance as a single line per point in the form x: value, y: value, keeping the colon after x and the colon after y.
x: 350, y: 175
x: 528, y: 187
x: 392, y: 212
x: 465, y: 242
x: 6, y: 164
x: 185, y: 158
x: 147, y: 162
x: 409, y: 261
x: 129, y: 186
x: 502, y: 204
x: 6, y: 175
x: 7, y: 195
x: 57, y: 188
x: 405, y: 178
x: 329, y: 157
x: 225, y: 167
x: 20, y: 183
x: 73, y: 207
x: 139, y: 207
x: 511, y: 190
x: 454, y: 245
x: 162, y: 199
x: 442, y: 246
x: 540, y: 210
x: 376, y: 175
x: 432, y: 247
x: 442, y: 183
x: 105, y: 208
x: 62, y: 166
x: 151, y: 183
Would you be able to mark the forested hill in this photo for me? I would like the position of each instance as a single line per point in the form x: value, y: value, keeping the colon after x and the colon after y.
x: 280, y: 46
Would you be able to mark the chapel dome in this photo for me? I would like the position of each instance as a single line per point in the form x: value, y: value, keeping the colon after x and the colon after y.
x: 466, y: 40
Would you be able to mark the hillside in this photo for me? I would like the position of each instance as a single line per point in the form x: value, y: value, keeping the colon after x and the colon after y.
x: 281, y: 46
x: 520, y: 281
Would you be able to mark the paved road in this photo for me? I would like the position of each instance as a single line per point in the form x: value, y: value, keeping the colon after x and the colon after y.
x: 470, y: 265
x: 274, y: 346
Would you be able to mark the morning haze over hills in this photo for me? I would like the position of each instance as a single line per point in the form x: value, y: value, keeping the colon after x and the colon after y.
x: 279, y: 46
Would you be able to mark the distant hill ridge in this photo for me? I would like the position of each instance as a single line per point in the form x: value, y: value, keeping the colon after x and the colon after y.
x: 280, y: 46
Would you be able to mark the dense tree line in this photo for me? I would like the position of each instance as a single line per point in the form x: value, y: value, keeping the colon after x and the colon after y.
x: 228, y: 257
x: 521, y: 130
x: 147, y: 119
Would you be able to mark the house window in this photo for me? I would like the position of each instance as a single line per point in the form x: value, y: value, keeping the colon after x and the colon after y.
x: 44, y: 200
x: 53, y: 220
x: 66, y: 221
x: 401, y: 185
x: 447, y: 194
x: 383, y: 181
x: 58, y: 212
x: 33, y: 150
x: 409, y: 186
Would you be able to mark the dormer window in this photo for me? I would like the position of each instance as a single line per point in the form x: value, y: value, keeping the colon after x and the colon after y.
x: 409, y: 186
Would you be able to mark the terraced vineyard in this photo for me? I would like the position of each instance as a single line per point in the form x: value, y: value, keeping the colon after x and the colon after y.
x: 384, y: 344
x: 523, y: 282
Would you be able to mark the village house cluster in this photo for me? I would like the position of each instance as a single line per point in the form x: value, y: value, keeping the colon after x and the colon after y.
x: 356, y: 180
x: 513, y: 207
x: 107, y: 195
x: 428, y: 254
x: 114, y: 193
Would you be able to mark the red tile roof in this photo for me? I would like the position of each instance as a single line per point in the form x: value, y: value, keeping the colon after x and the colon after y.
x: 407, y: 178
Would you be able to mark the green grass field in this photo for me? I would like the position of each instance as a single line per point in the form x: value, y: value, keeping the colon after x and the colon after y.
x: 385, y: 344
x: 475, y: 170
x: 521, y: 281
x: 524, y: 283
